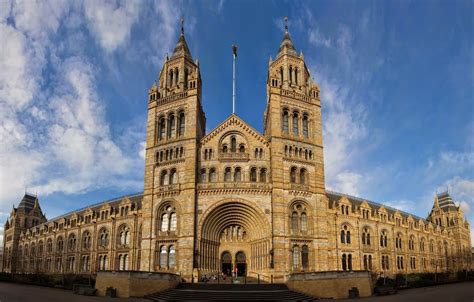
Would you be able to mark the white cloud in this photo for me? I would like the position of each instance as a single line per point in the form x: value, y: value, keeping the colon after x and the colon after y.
x: 346, y: 182
x: 111, y: 21
x: 402, y: 205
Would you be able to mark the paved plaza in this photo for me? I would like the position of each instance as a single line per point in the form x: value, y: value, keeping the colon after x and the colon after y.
x: 458, y: 292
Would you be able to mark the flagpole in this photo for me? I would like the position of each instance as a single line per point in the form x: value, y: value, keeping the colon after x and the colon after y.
x: 234, y: 54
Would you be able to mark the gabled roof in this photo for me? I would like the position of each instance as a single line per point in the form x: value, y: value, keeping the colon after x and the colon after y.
x: 233, y: 119
x: 335, y: 196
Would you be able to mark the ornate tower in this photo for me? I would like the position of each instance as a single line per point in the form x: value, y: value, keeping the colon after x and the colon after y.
x: 292, y: 122
x: 176, y: 123
x: 450, y: 218
x: 28, y: 214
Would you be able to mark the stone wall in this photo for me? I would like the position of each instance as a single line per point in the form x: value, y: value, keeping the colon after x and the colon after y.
x: 334, y: 285
x: 135, y: 284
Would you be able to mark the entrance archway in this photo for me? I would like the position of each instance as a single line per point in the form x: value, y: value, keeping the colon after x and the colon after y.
x: 226, y: 263
x: 237, y: 230
x: 241, y: 264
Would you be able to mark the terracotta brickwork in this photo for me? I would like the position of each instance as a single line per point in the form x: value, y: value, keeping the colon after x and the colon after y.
x: 236, y: 198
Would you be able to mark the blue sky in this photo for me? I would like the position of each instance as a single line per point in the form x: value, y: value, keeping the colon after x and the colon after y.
x: 396, y: 79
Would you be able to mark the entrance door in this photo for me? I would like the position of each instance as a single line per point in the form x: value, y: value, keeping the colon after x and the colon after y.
x: 241, y: 263
x: 226, y: 263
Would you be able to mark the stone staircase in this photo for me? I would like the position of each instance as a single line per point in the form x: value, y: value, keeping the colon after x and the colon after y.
x: 229, y: 292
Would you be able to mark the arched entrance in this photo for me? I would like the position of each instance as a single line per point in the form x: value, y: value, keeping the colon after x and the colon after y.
x: 226, y: 263
x: 241, y: 264
x: 234, y: 235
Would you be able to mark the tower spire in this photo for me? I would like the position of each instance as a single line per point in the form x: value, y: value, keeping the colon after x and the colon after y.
x: 234, y: 53
x: 182, y: 25
x: 286, y: 24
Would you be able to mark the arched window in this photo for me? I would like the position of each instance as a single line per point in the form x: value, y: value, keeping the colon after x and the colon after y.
x: 296, y: 76
x: 281, y: 74
x: 293, y: 175
x: 212, y: 175
x: 242, y: 148
x: 164, y: 178
x: 162, y: 128
x: 203, y: 176
x: 163, y: 257
x: 224, y: 148
x: 349, y: 262
x: 285, y: 122
x: 303, y: 176
x: 170, y: 77
x: 233, y: 144
x: 253, y: 174
x: 124, y: 235
x: 172, y: 257
x: 365, y: 236
x: 305, y: 256
x: 164, y: 222
x: 294, y: 222
x: 186, y: 72
x: 304, y: 222
x: 348, y: 237
x: 263, y: 175
x: 171, y: 126
x: 296, y: 257
x: 227, y: 174
x: 176, y: 71
x: 173, y: 177
x: 305, y: 126
x: 344, y: 262
x: 71, y: 242
x: 103, y: 238
x: 343, y: 236
x: 59, y: 245
x: 182, y: 124
x: 237, y: 174
x: 383, y: 239
x: 296, y: 130
x: 173, y: 222
x: 290, y: 73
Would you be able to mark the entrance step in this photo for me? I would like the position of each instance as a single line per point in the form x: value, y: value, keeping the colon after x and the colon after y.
x: 230, y: 292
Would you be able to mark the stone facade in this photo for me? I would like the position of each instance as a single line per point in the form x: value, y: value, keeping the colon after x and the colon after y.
x: 236, y: 198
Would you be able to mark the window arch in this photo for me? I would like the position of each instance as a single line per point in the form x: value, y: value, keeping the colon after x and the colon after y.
x: 123, y: 235
x: 227, y: 174
x: 59, y: 244
x: 303, y: 176
x: 182, y: 124
x: 171, y: 126
x: 233, y: 144
x: 296, y: 257
x: 305, y: 256
x: 86, y: 240
x: 164, y: 178
x: 366, y: 236
x: 173, y: 177
x: 293, y: 175
x: 172, y: 257
x: 237, y: 174
x: 398, y: 241
x: 296, y: 130
x: 71, y: 242
x: 163, y: 257
x: 212, y: 175
x: 304, y: 222
x: 345, y: 235
x: 305, y: 126
x: 294, y: 222
x: 103, y: 238
x: 162, y: 128
x: 203, y: 176
x: 383, y: 238
x: 242, y: 148
x: 168, y: 219
x: 285, y: 127
x: 263, y: 175
x: 253, y: 174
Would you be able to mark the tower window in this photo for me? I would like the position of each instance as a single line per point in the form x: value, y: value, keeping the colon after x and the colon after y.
x: 290, y: 73
x: 293, y: 175
x: 212, y: 175
x: 237, y: 175
x: 233, y: 144
x: 305, y: 126
x: 181, y: 124
x: 263, y: 175
x: 296, y: 130
x: 285, y: 122
x: 253, y: 174
x: 227, y: 174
